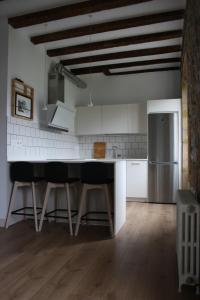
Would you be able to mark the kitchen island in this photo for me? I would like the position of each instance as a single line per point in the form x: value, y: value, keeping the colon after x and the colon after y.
x: 119, y: 204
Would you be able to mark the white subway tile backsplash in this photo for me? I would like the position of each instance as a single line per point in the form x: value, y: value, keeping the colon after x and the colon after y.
x: 28, y: 131
x: 129, y: 146
x: 26, y: 141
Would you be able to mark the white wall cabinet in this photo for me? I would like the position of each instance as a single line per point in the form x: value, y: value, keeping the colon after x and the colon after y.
x: 136, y: 179
x: 89, y: 120
x: 137, y: 118
x: 160, y: 106
x: 112, y: 119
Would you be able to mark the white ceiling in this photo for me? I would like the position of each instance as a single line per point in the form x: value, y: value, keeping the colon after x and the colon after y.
x: 18, y: 7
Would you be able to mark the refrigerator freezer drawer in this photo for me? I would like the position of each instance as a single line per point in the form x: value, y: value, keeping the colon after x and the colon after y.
x: 162, y: 182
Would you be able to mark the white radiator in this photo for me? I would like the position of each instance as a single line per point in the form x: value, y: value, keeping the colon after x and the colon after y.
x: 188, y: 239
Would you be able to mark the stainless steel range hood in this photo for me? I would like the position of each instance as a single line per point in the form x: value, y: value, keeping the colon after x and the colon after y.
x: 56, y: 83
x: 58, y: 115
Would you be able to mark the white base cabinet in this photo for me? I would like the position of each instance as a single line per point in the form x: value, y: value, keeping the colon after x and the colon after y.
x: 136, y: 179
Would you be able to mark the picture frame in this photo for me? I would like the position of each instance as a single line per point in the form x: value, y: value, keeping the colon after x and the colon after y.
x: 22, y: 100
x: 23, y: 106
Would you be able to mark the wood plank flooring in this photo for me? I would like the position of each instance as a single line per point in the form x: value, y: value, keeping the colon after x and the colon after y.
x: 139, y: 264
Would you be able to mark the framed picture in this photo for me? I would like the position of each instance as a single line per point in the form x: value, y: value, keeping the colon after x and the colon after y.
x: 23, y: 106
x: 22, y: 100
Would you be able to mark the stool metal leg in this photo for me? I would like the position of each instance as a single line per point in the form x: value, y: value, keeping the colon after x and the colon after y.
x: 56, y: 203
x: 34, y: 206
x: 48, y: 189
x: 106, y: 190
x: 69, y: 208
x: 24, y: 200
x: 12, y: 198
x: 82, y: 200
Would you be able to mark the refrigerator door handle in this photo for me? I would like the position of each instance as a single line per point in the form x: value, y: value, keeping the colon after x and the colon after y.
x: 163, y: 163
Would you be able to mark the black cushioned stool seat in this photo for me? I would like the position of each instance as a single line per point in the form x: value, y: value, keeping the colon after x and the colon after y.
x: 22, y: 174
x: 56, y: 174
x: 95, y: 175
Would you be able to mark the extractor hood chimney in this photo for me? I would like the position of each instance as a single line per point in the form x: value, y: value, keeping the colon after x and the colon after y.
x: 57, y: 114
x: 56, y: 83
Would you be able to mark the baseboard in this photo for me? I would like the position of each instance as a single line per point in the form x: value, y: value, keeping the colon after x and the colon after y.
x: 13, y: 221
x: 132, y: 199
x: 2, y: 222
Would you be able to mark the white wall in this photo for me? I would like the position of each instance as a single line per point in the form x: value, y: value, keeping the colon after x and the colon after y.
x: 30, y: 64
x: 3, y: 123
x: 130, y: 88
x: 28, y: 140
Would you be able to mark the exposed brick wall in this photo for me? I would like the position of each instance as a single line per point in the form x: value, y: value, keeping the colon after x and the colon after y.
x: 185, y: 152
x: 191, y: 72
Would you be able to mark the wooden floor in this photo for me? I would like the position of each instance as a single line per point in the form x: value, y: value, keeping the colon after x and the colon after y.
x: 140, y: 264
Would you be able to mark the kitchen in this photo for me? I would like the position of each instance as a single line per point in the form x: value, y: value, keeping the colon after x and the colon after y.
x: 83, y: 114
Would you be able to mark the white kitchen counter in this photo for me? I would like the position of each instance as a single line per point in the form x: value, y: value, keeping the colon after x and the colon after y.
x: 81, y: 160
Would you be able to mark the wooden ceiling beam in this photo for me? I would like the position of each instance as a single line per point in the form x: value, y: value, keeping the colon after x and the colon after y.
x: 121, y: 55
x: 109, y: 26
x: 108, y: 73
x: 103, y: 68
x: 132, y: 40
x: 67, y: 11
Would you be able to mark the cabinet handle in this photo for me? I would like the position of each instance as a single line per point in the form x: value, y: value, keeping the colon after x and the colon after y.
x: 135, y: 164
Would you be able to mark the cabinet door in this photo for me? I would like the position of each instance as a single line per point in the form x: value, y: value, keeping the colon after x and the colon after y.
x: 167, y: 105
x: 70, y: 116
x: 88, y: 120
x: 114, y: 119
x: 137, y: 118
x: 136, y: 177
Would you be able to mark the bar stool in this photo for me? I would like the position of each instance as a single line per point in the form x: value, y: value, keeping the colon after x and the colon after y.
x: 95, y: 175
x: 56, y: 176
x: 22, y: 175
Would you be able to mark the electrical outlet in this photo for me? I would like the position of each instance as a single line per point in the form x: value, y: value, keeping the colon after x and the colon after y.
x: 16, y: 143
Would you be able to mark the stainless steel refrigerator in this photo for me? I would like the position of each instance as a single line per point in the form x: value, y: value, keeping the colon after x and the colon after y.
x: 163, y: 152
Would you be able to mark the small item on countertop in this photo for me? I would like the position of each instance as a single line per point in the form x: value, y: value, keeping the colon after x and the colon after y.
x: 99, y: 150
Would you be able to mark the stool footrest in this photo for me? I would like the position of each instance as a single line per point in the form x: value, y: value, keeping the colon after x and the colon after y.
x: 20, y: 213
x: 49, y: 214
x: 85, y: 216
